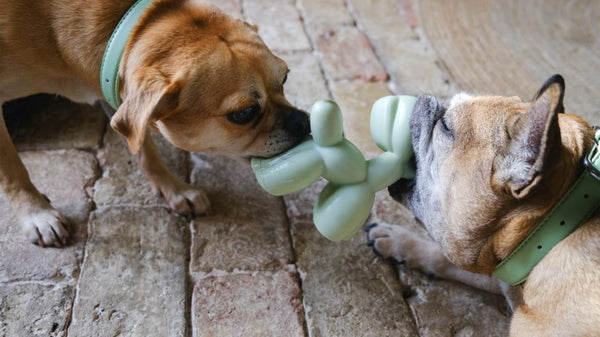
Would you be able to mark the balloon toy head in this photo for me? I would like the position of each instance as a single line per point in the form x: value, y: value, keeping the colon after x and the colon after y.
x: 345, y: 203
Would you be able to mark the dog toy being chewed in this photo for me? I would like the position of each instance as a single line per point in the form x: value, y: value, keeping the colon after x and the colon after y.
x: 345, y: 203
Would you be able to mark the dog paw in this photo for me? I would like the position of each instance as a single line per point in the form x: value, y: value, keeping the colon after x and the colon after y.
x: 184, y: 199
x: 393, y: 242
x: 403, y: 246
x: 46, y: 228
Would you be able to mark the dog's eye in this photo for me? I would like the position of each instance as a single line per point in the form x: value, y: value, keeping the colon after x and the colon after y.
x: 284, y: 79
x: 244, y: 116
x: 444, y: 125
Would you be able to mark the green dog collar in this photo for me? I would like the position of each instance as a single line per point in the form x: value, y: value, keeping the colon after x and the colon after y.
x: 580, y: 202
x: 109, y: 72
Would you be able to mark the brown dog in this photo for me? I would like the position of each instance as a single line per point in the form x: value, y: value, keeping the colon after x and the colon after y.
x: 204, y: 80
x: 488, y: 170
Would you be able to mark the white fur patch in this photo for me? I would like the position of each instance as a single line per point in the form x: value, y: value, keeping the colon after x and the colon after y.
x: 459, y: 98
x: 45, y: 226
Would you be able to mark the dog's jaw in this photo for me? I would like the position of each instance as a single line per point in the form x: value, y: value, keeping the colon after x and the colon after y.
x: 416, y: 193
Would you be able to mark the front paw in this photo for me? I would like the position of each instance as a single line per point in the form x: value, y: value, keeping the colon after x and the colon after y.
x: 46, y: 228
x: 184, y: 199
x: 401, y: 245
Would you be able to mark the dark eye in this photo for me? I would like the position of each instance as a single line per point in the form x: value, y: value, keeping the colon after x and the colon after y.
x: 244, y: 116
x: 284, y: 79
x: 444, y: 125
x: 446, y: 129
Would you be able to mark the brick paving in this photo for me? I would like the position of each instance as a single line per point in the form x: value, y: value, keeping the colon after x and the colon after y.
x: 256, y: 266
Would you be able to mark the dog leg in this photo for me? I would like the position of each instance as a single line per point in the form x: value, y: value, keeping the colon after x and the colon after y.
x: 181, y: 197
x: 416, y: 252
x: 43, y: 225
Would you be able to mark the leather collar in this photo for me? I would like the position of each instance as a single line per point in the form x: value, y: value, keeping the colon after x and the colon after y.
x: 575, y: 208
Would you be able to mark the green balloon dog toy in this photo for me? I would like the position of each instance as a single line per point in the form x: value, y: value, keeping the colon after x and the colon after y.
x: 345, y: 203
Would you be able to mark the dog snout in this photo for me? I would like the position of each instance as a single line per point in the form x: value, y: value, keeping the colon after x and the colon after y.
x: 297, y: 123
x: 426, y: 112
x: 426, y: 108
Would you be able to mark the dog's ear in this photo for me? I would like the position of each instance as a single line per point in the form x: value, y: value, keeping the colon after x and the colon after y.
x: 151, y: 97
x: 251, y: 26
x: 535, y: 135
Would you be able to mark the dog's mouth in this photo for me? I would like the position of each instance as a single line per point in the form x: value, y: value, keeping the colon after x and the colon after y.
x: 294, y: 131
x: 402, y: 187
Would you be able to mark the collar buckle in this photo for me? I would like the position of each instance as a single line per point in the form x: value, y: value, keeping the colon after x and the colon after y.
x: 591, y: 162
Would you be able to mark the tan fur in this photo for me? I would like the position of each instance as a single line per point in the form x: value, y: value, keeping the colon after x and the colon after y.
x: 489, y: 204
x: 187, y: 69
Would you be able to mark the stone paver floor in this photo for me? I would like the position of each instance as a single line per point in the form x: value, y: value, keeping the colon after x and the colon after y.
x: 256, y: 266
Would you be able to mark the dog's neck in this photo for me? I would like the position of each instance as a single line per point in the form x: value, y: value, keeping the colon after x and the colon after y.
x: 520, y: 217
x: 89, y: 31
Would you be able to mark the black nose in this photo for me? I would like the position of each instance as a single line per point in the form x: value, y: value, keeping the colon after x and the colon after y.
x: 298, y: 123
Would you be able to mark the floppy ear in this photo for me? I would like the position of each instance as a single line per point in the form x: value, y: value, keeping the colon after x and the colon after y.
x: 251, y: 26
x: 534, y: 136
x: 153, y: 97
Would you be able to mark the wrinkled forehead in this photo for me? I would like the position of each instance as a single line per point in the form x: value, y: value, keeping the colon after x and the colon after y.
x: 234, y: 76
x: 253, y: 55
x: 490, y: 101
x: 478, y: 118
x: 486, y: 106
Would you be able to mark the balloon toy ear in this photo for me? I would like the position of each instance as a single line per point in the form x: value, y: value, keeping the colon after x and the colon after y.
x: 390, y: 117
x: 326, y: 123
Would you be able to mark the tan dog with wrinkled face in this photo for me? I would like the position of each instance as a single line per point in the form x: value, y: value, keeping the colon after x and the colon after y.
x: 488, y: 170
x: 204, y: 80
